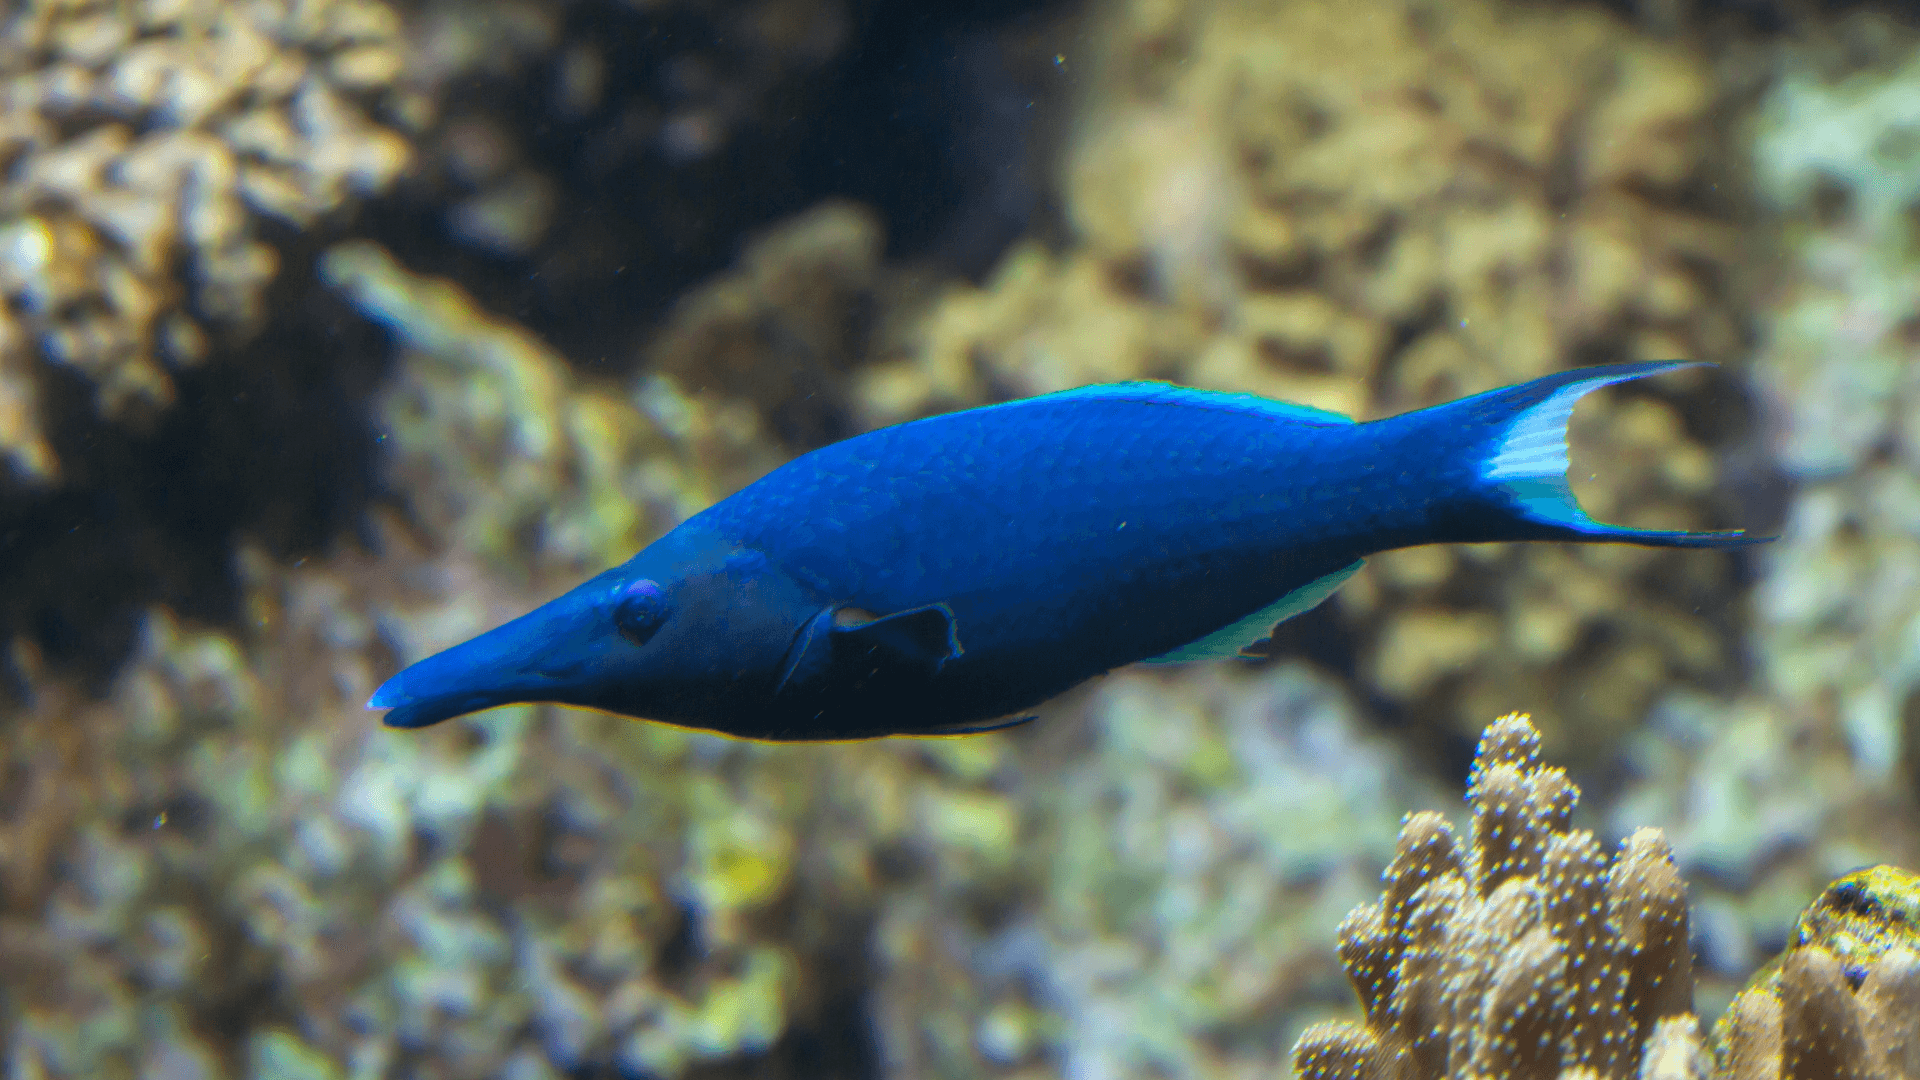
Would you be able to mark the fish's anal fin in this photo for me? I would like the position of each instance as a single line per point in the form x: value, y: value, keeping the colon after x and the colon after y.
x: 1231, y: 640
x: 971, y: 729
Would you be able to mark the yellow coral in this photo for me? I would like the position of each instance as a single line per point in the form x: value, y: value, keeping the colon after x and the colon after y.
x: 501, y: 445
x: 1862, y: 916
x: 1844, y: 1001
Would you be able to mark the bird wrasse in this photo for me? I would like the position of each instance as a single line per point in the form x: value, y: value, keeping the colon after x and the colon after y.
x: 945, y: 575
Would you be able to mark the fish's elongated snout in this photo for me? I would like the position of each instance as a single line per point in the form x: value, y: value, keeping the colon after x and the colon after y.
x: 434, y: 690
x: 463, y: 679
x: 545, y: 655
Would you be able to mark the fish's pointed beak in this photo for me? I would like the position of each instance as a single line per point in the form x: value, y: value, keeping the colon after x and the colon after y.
x: 544, y: 655
x: 448, y: 684
x: 429, y: 693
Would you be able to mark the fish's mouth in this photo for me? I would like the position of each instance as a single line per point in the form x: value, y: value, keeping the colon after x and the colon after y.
x: 418, y: 714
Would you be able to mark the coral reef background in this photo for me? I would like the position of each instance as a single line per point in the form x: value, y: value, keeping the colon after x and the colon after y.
x: 336, y: 331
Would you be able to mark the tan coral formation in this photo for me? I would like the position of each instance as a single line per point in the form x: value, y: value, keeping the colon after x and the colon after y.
x: 1526, y: 953
x: 1376, y: 206
x: 782, y: 327
x: 507, y: 457
x: 143, y: 146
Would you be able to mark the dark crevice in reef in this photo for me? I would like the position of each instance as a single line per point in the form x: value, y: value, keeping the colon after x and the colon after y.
x: 836, y: 1043
x: 1768, y: 18
x: 925, y: 112
x: 269, y: 441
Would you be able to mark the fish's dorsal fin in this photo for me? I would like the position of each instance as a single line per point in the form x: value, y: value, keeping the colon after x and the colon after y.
x: 1232, y: 639
x: 1164, y: 393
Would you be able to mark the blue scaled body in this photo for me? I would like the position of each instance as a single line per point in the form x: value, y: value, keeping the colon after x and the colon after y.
x: 945, y: 575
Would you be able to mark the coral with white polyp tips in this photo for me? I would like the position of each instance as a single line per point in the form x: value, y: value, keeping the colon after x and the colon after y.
x: 1526, y: 954
x: 1522, y: 952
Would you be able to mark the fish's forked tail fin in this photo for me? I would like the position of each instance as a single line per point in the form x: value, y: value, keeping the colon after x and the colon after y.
x: 1527, y: 462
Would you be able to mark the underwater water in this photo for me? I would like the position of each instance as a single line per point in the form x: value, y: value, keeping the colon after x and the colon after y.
x: 337, y: 332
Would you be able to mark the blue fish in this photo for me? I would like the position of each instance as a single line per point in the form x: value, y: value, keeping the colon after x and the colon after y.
x: 946, y: 575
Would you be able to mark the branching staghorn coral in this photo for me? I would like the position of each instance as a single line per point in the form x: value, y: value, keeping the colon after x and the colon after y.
x: 1525, y: 953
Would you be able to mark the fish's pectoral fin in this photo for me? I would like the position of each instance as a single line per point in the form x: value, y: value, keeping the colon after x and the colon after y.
x: 852, y: 645
x: 972, y: 728
x: 922, y: 638
x: 1231, y: 640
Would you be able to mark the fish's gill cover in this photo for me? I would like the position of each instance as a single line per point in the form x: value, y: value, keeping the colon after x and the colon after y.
x: 1524, y: 952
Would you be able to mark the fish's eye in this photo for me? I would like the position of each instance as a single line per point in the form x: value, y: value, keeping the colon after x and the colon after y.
x: 640, y: 611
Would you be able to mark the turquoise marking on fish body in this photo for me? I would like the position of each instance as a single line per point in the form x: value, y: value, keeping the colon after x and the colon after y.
x: 1235, y: 638
x: 940, y: 576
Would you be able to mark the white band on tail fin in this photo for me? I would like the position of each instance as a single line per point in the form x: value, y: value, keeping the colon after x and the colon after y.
x: 1535, y: 447
x: 1530, y: 464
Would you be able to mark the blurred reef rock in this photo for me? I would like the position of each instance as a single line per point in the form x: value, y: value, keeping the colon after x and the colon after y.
x: 782, y: 329
x: 598, y: 158
x: 1835, y: 159
x: 1184, y: 845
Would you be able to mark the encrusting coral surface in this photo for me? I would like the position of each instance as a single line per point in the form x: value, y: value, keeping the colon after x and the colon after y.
x: 145, y: 149
x: 1525, y: 952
